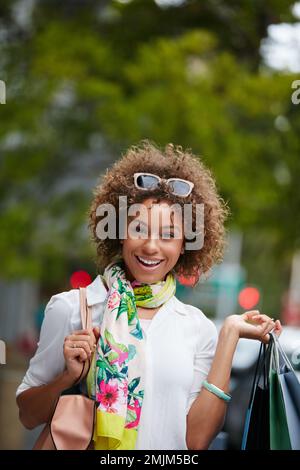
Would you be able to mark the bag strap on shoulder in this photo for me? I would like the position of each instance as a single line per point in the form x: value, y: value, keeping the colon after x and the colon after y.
x: 86, y: 322
x: 85, y: 310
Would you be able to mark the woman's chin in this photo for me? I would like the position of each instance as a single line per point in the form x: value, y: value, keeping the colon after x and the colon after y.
x: 148, y: 278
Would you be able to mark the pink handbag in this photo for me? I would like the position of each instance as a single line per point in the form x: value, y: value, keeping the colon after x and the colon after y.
x: 71, y: 426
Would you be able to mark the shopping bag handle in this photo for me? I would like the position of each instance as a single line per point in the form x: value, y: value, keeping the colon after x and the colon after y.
x: 278, y: 347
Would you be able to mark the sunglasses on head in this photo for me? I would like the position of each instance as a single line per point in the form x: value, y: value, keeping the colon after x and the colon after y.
x: 177, y: 186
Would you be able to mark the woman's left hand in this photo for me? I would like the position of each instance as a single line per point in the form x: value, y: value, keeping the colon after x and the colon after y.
x: 254, y: 325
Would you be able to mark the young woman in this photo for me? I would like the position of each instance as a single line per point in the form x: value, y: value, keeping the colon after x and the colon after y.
x: 160, y: 372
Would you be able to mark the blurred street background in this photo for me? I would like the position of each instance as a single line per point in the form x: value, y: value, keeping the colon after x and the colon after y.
x: 81, y: 80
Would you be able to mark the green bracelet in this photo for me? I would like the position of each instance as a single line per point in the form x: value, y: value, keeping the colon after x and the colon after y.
x: 217, y: 391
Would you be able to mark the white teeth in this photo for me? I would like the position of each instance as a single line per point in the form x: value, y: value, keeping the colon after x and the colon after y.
x: 147, y: 261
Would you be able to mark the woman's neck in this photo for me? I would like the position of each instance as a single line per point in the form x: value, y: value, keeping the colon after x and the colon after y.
x: 147, y: 313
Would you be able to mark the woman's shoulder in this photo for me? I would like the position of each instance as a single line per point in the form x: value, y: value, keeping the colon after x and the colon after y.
x: 65, y: 305
x: 61, y: 306
x: 196, y: 315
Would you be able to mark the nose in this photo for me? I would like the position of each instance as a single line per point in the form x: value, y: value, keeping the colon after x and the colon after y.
x: 150, y: 246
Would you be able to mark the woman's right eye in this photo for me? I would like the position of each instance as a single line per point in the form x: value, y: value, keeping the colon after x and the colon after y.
x: 141, y: 229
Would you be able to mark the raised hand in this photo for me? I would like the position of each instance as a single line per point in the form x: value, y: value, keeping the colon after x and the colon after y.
x: 254, y: 325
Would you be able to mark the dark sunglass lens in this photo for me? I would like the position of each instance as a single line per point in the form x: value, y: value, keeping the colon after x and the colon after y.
x: 146, y: 181
x: 179, y: 187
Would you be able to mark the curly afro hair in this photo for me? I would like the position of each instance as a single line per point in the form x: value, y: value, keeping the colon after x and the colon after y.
x: 175, y: 162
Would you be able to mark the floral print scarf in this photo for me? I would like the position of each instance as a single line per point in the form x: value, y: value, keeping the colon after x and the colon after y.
x: 116, y: 376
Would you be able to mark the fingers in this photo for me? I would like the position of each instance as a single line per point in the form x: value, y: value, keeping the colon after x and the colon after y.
x: 261, y: 317
x: 76, y: 352
x: 71, y: 345
x: 250, y: 314
x: 95, y: 335
x: 278, y: 328
x: 265, y: 334
x: 80, y: 338
x: 266, y: 324
x: 257, y: 317
x: 96, y: 332
x: 80, y: 344
x: 83, y: 335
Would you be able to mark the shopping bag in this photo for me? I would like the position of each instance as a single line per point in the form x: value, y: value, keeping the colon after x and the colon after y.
x: 279, y: 432
x: 288, y: 415
x: 273, y: 415
x: 256, y: 433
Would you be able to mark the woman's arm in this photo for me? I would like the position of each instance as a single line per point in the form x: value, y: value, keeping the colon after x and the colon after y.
x: 207, y: 413
x: 37, y: 404
x: 56, y: 365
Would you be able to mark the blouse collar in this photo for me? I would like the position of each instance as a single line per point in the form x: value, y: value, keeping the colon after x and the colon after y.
x: 96, y: 293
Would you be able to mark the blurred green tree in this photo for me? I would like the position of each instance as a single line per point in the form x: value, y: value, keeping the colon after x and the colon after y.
x: 86, y: 79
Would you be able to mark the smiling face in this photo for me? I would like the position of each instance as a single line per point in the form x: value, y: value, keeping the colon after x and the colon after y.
x: 153, y: 251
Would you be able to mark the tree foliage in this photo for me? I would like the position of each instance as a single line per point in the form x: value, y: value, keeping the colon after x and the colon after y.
x: 87, y: 79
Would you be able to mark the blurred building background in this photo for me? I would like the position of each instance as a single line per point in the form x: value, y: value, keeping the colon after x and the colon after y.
x: 84, y: 80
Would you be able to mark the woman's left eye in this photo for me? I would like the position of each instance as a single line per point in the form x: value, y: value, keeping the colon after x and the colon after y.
x: 168, y: 235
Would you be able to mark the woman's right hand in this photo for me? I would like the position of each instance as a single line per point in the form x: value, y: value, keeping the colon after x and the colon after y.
x: 78, y: 349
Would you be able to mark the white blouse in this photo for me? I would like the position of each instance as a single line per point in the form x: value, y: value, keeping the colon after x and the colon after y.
x: 145, y: 323
x: 180, y: 346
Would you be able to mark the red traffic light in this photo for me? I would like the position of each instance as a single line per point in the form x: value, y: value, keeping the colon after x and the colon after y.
x: 249, y: 297
x: 188, y: 281
x: 80, y: 279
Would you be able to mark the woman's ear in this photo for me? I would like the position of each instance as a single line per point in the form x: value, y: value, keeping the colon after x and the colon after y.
x: 182, y: 250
